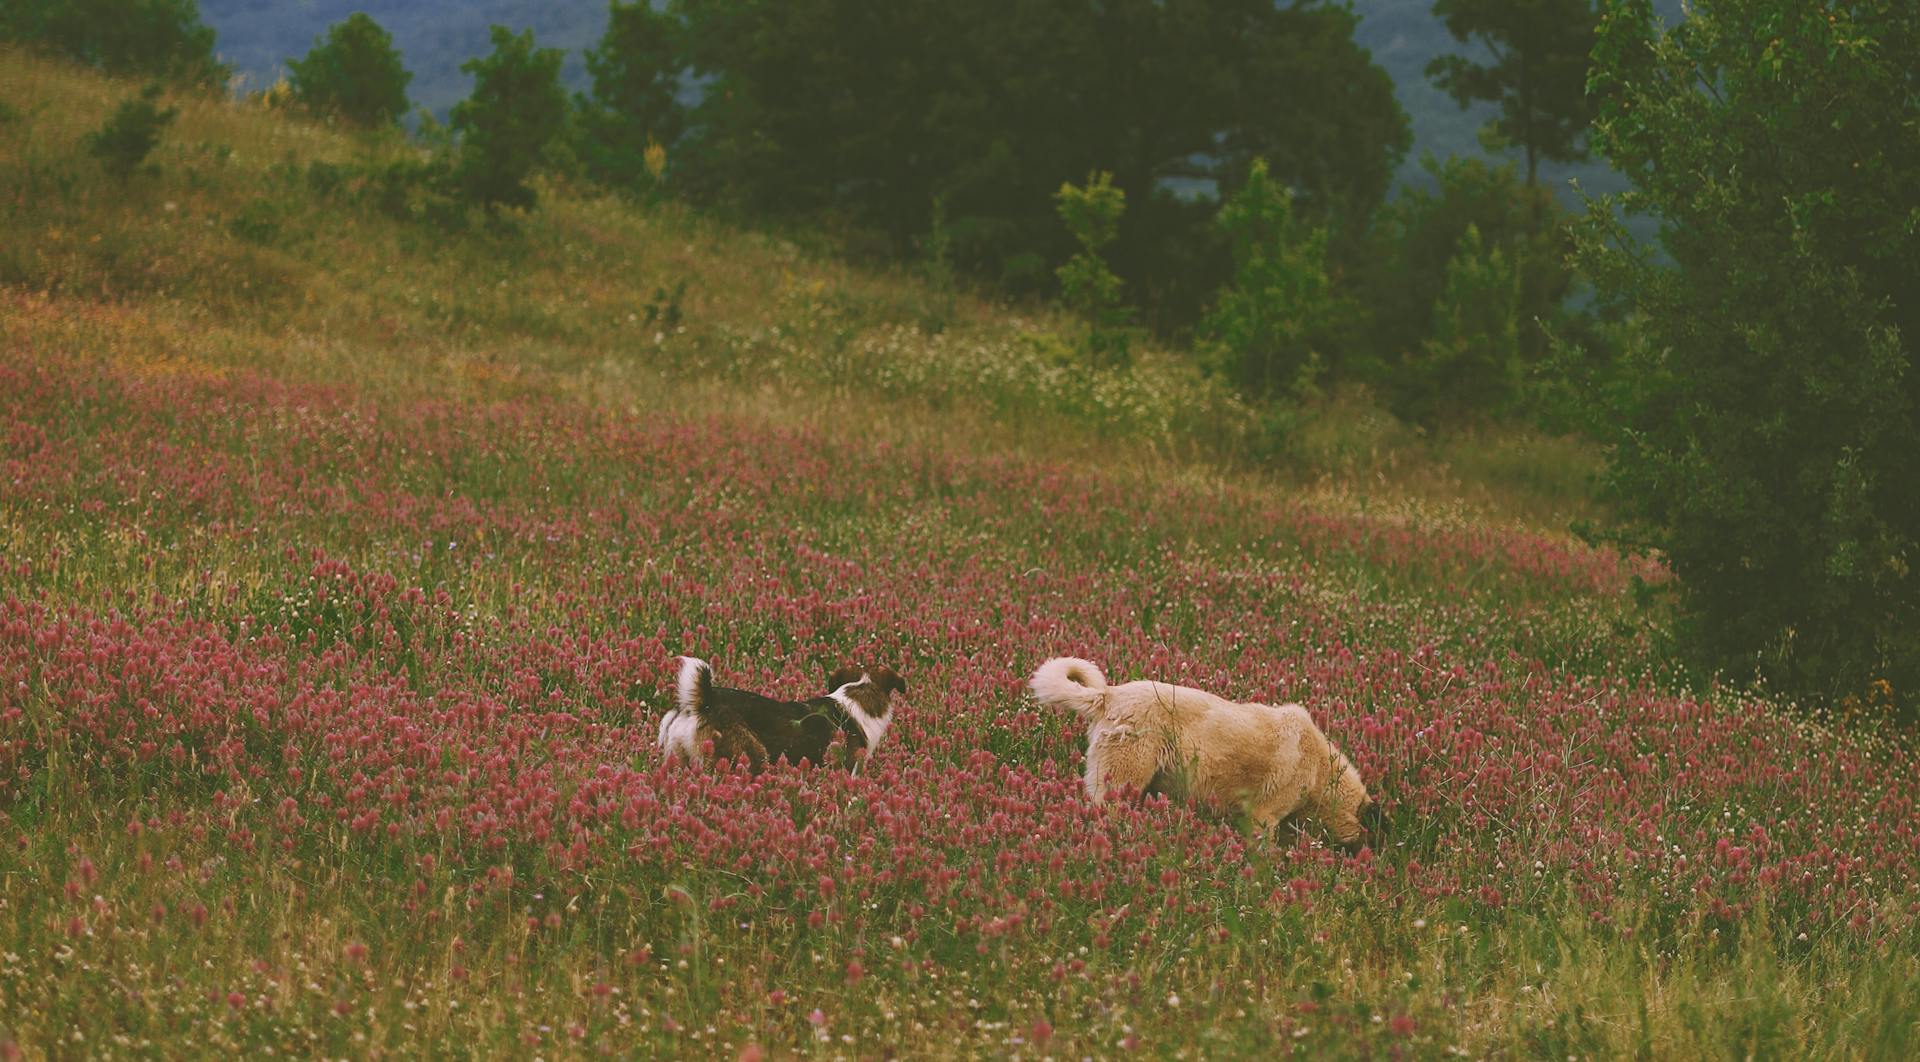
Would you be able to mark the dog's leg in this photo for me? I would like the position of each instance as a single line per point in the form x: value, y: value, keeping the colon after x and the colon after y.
x: 1119, y: 757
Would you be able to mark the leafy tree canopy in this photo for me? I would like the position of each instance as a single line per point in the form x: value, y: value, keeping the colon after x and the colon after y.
x: 1538, y: 72
x: 1402, y: 269
x: 515, y: 111
x: 1766, y: 428
x: 151, y: 38
x: 355, y: 73
x: 635, y: 99
x: 871, y: 112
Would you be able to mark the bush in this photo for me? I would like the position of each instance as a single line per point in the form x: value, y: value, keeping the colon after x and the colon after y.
x: 1767, y: 440
x: 151, y: 38
x: 516, y: 109
x: 1088, y: 287
x: 635, y: 108
x: 354, y: 73
x: 1470, y: 363
x: 130, y: 135
x: 1270, y: 328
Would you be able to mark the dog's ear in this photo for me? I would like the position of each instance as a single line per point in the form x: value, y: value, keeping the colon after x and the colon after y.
x: 887, y: 680
x: 842, y: 675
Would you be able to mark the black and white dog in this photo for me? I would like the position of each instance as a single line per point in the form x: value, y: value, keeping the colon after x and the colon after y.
x: 858, y: 705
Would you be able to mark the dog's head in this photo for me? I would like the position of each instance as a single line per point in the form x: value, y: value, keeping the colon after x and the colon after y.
x: 880, y: 683
x: 1351, y: 813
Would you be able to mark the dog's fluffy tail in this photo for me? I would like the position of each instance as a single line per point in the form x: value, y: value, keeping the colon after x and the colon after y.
x: 1070, y: 682
x: 696, y: 682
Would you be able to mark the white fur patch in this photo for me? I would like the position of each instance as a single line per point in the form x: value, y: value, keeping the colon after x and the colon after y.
x: 689, y: 685
x: 679, y: 734
x: 874, y: 729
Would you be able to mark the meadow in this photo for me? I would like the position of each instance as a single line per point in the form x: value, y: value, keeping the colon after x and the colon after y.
x: 344, y: 561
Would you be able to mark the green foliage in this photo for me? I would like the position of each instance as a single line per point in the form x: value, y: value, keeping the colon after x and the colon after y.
x: 131, y: 133
x: 1271, y: 328
x: 1091, y: 212
x: 635, y: 100
x: 1765, y: 433
x: 354, y: 73
x: 868, y: 113
x: 1403, y: 271
x: 515, y: 111
x: 1538, y: 74
x: 1470, y: 363
x: 150, y: 38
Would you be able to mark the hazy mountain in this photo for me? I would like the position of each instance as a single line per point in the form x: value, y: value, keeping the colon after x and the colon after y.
x: 436, y: 36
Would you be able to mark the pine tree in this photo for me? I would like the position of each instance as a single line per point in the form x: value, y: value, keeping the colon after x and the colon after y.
x: 516, y: 109
x: 1538, y: 75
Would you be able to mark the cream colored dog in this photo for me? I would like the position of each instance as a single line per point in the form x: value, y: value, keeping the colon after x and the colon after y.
x: 1193, y: 745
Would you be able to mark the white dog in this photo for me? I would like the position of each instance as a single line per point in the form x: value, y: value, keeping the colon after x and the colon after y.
x: 1191, y: 744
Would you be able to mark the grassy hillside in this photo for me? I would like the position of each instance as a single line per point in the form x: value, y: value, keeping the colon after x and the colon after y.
x: 344, y: 561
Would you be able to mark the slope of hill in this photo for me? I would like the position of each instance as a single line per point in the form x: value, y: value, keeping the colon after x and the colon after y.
x: 345, y: 559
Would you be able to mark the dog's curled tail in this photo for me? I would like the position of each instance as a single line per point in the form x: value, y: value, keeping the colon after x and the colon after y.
x: 696, y: 680
x: 1070, y: 682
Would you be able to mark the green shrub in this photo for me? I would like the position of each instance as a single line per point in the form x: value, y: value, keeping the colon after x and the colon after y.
x: 516, y: 109
x: 1092, y: 214
x: 131, y: 133
x: 1270, y: 328
x: 1766, y: 432
x: 1402, y: 271
x: 354, y: 73
x: 1470, y: 362
x: 258, y: 222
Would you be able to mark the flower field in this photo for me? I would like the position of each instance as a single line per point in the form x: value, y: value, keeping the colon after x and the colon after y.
x: 327, y: 706
x: 327, y: 724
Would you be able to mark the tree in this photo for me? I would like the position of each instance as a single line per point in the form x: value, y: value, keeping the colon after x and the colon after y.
x: 635, y: 100
x: 149, y: 38
x: 130, y: 134
x: 1400, y: 271
x: 1767, y: 440
x: 354, y: 72
x: 516, y: 109
x: 1272, y: 326
x: 867, y: 114
x: 1471, y: 361
x: 1538, y: 75
x: 1091, y: 212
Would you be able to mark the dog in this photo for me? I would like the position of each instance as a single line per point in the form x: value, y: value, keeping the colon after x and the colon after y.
x: 858, y: 705
x: 1192, y: 745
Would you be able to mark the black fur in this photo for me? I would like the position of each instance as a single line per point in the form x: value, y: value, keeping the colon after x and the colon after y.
x: 744, y: 723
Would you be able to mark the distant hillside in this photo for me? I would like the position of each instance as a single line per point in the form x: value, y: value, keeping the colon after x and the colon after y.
x: 436, y: 36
